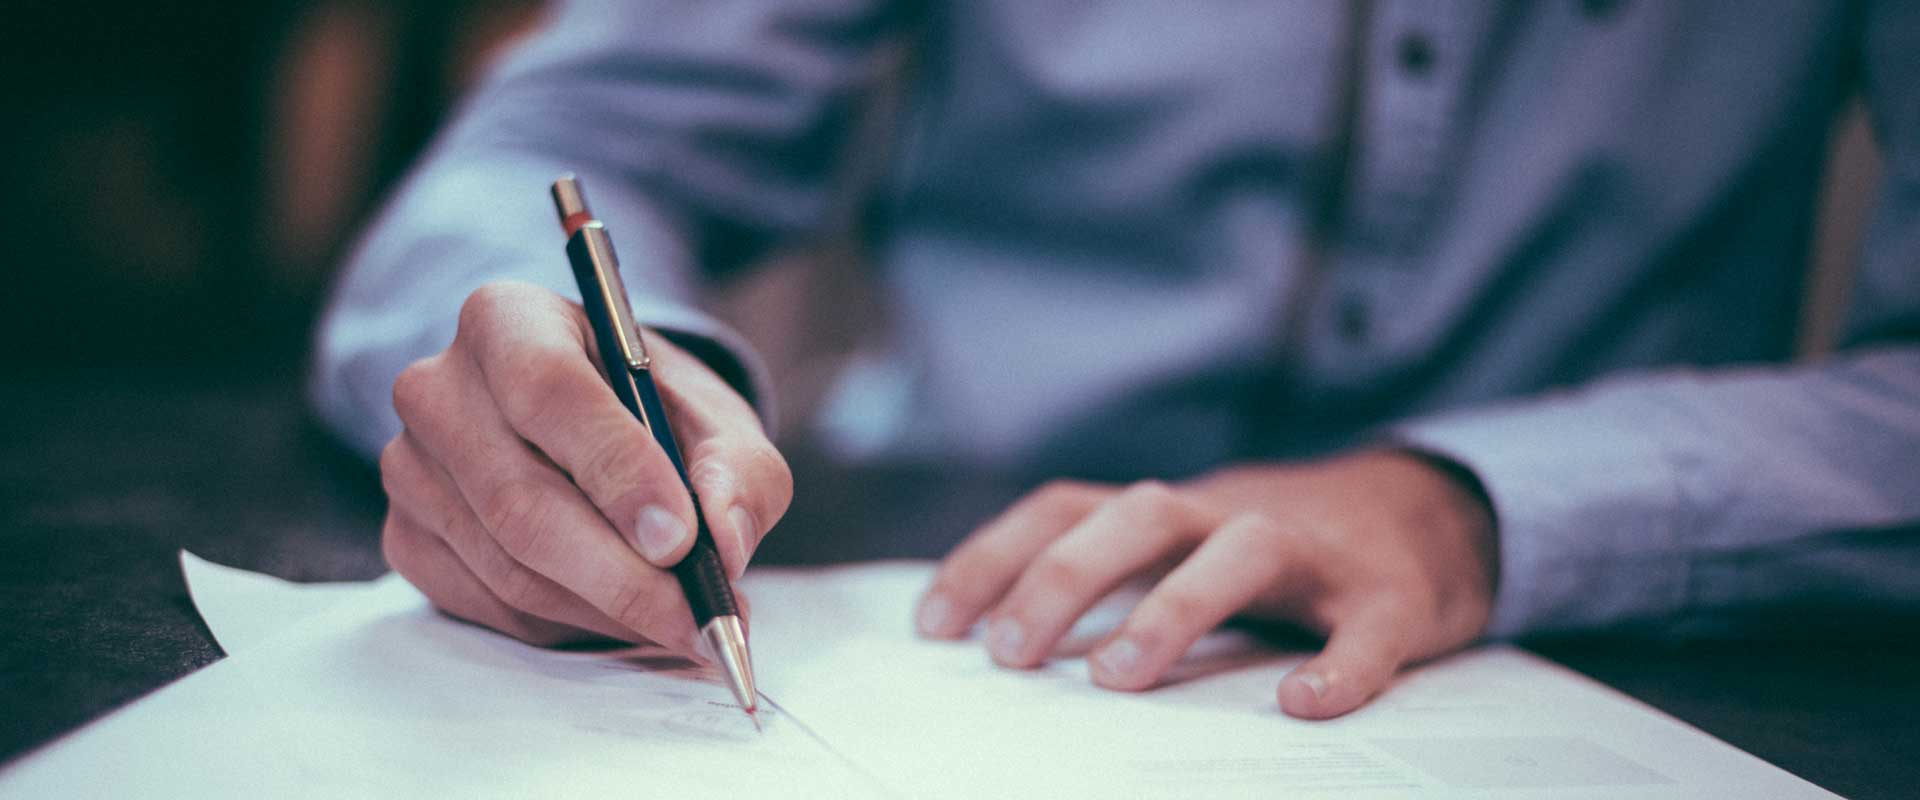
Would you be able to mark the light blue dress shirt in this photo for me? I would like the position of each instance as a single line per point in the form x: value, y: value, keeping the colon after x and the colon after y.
x: 1561, y: 243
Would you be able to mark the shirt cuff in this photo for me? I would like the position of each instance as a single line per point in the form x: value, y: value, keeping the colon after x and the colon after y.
x: 720, y: 347
x: 462, y: 226
x: 1586, y: 506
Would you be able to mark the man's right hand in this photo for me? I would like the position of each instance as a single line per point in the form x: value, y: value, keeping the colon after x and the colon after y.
x: 523, y: 496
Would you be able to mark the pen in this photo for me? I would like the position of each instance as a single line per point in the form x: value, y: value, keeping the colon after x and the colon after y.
x: 630, y: 370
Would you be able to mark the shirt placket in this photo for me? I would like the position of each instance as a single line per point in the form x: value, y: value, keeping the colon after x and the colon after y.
x: 1412, y: 77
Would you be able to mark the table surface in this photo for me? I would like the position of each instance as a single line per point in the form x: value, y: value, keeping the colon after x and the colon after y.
x: 103, y: 478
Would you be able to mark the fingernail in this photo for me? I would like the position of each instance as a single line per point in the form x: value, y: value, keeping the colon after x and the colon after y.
x: 1004, y: 638
x: 1315, y: 684
x: 744, y: 528
x: 933, y: 614
x: 657, y: 533
x: 1118, y: 658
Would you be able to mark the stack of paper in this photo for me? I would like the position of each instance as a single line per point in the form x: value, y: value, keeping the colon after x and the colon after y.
x: 364, y: 691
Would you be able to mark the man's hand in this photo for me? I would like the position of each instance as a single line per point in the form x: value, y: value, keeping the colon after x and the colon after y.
x: 524, y: 497
x: 1388, y: 556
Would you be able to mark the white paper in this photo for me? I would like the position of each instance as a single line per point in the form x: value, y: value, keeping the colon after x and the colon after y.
x: 379, y: 696
x: 243, y: 609
x: 941, y: 720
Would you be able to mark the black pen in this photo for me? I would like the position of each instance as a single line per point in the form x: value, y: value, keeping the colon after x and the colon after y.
x: 630, y: 370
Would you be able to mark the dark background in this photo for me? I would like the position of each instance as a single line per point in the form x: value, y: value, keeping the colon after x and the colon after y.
x: 178, y: 181
x: 180, y: 176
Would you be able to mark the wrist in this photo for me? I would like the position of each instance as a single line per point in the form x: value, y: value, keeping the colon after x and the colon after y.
x: 1467, y: 497
x: 1451, y: 504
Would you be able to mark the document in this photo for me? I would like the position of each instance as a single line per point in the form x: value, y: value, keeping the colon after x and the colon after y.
x: 938, y: 719
x: 362, y: 690
x: 243, y: 609
x: 377, y: 695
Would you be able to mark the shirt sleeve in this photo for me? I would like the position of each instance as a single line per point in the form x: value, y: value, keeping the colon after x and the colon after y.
x: 1685, y: 498
x: 703, y: 134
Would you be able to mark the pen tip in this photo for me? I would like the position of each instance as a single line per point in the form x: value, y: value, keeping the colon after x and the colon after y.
x: 728, y: 645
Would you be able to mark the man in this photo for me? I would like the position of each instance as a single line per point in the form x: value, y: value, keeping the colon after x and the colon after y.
x: 1465, y: 321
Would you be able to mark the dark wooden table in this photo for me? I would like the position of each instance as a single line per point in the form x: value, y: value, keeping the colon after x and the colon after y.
x: 104, y: 477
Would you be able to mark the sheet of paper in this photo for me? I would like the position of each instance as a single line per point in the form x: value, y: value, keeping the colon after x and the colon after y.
x: 243, y: 609
x: 941, y: 720
x: 378, y: 696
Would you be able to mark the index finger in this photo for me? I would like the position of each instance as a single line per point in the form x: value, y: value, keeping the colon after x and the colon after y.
x: 532, y: 351
x: 538, y: 516
x: 981, y: 569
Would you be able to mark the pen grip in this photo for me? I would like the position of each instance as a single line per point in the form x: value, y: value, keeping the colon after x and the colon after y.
x: 704, y: 580
x: 702, y: 576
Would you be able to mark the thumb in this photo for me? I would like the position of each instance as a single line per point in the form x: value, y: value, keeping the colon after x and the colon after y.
x: 661, y: 536
x: 744, y: 486
x: 1360, y: 659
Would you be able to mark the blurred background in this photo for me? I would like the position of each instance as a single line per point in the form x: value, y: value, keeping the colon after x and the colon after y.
x: 181, y: 176
x: 181, y: 180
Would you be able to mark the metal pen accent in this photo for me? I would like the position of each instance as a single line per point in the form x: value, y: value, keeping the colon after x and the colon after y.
x: 623, y: 352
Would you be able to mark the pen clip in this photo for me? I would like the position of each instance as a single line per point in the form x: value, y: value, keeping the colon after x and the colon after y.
x: 571, y: 201
x: 606, y: 278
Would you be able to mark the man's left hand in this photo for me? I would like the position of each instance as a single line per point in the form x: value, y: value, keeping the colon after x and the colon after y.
x: 1383, y: 552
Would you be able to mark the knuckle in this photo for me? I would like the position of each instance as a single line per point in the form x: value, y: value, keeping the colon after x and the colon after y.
x: 1152, y: 501
x: 549, y: 366
x: 721, y: 463
x: 634, y: 605
x: 541, y: 375
x: 518, y: 587
x: 397, y: 548
x: 491, y: 301
x: 983, y: 557
x: 1256, y: 521
x: 413, y: 389
x: 1062, y: 490
x: 621, y: 499
x: 1059, y: 573
x: 1260, y: 526
x: 615, y: 461
x: 516, y: 514
x: 1172, y: 609
x: 774, y: 478
x: 710, y: 449
x: 706, y: 466
x: 964, y: 570
x: 1054, y: 503
x: 1054, y: 494
x: 763, y: 459
x: 393, y: 468
x: 1149, y: 494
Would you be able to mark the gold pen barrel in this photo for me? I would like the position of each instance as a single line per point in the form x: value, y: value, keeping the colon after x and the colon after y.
x: 606, y: 280
x: 603, y: 276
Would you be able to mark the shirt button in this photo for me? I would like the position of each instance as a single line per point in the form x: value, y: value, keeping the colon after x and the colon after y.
x: 1416, y: 54
x: 1353, y: 319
